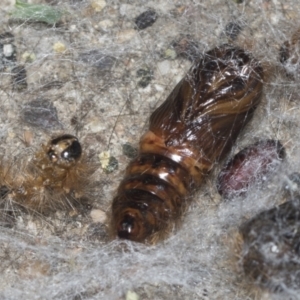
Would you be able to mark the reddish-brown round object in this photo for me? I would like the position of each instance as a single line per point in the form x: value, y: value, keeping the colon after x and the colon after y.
x: 249, y: 166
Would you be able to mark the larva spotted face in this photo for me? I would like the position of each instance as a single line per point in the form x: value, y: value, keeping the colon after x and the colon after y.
x: 57, y: 178
x: 64, y: 150
x: 190, y: 132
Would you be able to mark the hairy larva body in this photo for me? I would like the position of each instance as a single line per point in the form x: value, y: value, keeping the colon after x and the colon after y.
x: 55, y: 178
x: 191, y: 131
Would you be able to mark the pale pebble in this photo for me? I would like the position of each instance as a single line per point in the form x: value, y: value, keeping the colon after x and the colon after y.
x: 59, y: 47
x: 95, y: 126
x: 8, y: 50
x: 105, y: 24
x: 126, y: 35
x: 164, y: 67
x: 104, y: 159
x: 98, y: 5
x: 98, y: 216
x: 130, y: 295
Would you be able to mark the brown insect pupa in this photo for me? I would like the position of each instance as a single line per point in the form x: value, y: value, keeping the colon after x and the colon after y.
x: 190, y: 132
x: 56, y: 178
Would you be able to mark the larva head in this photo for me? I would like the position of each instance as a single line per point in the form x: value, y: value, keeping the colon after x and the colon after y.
x: 64, y: 150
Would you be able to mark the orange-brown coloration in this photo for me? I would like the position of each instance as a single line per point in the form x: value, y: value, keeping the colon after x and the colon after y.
x: 56, y: 178
x: 191, y: 131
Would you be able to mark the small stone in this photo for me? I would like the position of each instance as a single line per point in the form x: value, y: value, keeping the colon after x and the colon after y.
x: 95, y: 125
x: 145, y: 19
x: 40, y: 113
x: 98, y: 5
x: 104, y: 159
x: 130, y: 295
x: 126, y: 35
x: 28, y: 137
x: 105, y: 24
x: 160, y: 88
x: 108, y: 163
x: 170, y: 54
x: 129, y: 150
x: 146, y: 76
x: 8, y: 50
x: 28, y: 57
x: 59, y: 47
x: 164, y: 67
x: 98, y: 216
x: 8, y: 55
x: 112, y: 165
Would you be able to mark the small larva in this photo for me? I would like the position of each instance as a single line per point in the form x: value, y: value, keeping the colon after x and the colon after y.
x: 249, y: 166
x: 56, y: 178
x: 191, y: 131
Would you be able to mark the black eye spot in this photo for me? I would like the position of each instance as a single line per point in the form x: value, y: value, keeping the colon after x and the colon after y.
x: 72, y: 152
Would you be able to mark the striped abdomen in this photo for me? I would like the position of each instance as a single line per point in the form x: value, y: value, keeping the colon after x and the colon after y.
x: 190, y: 132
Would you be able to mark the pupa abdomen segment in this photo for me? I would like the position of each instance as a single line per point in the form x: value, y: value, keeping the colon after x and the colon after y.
x: 191, y: 131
